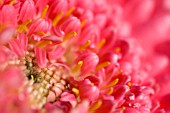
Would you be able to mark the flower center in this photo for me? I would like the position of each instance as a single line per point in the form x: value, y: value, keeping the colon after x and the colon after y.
x: 42, y: 83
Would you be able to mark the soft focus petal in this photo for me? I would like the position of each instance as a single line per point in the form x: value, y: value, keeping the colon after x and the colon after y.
x: 27, y: 7
x: 40, y: 57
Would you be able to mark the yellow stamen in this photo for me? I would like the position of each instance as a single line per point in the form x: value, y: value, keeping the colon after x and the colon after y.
x: 43, y: 43
x: 101, y: 43
x: 27, y: 22
x: 129, y: 84
x: 102, y: 65
x: 119, y: 72
x: 76, y: 91
x: 2, y: 26
x: 23, y: 27
x: 70, y: 11
x: 12, y: 2
x: 123, y: 108
x: 117, y: 49
x: 83, y: 47
x: 32, y: 77
x: 57, y: 19
x: 83, y: 23
x: 41, y: 33
x: 44, y: 11
x: 69, y: 35
x: 92, y: 84
x: 113, y: 83
x: 77, y: 68
x: 96, y: 106
x: 110, y: 91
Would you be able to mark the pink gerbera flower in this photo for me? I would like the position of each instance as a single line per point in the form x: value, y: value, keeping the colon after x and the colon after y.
x: 72, y: 56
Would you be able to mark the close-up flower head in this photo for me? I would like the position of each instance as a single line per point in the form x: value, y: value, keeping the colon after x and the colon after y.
x: 84, y: 56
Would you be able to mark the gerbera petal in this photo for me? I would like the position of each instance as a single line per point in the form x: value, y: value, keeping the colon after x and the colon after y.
x: 56, y: 53
x: 27, y: 10
x: 40, y: 57
x: 15, y: 46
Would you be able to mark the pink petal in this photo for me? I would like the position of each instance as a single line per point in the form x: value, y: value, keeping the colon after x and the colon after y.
x: 90, y: 61
x: 81, y: 108
x: 106, y: 107
x: 16, y: 47
x: 89, y: 33
x: 23, y: 40
x: 56, y: 7
x: 68, y: 97
x: 58, y: 32
x: 27, y: 10
x: 131, y: 110
x: 65, y: 96
x: 6, y: 34
x: 56, y: 53
x: 120, y: 91
x: 94, y: 79
x: 71, y: 24
x: 36, y: 37
x: 40, y: 57
x: 11, y: 18
x: 40, y: 4
x: 53, y: 38
x: 40, y: 25
x: 142, y: 11
x: 163, y: 48
x: 100, y: 20
x: 87, y: 15
x: 87, y: 91
x: 123, y: 45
